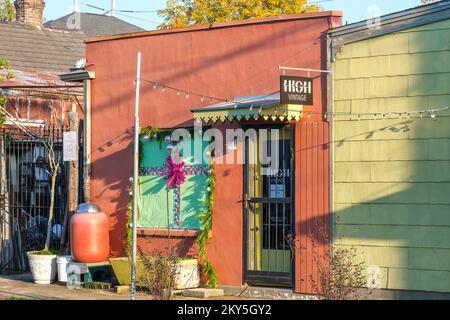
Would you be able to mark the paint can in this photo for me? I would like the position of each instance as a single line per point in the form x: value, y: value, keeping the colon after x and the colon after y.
x: 62, y: 263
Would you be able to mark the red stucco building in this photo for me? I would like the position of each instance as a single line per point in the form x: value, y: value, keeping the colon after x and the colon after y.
x: 222, y: 60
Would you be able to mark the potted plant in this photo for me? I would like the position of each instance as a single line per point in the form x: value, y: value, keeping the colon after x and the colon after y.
x: 43, y: 263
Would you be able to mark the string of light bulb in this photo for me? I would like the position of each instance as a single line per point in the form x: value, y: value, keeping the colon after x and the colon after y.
x: 359, y: 116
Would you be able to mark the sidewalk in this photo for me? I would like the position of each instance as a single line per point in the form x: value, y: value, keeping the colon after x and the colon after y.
x: 22, y: 287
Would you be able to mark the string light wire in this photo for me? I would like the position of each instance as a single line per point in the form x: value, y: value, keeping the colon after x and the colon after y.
x: 431, y: 113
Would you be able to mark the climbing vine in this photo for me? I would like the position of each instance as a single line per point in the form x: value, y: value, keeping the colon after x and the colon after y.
x: 4, y: 69
x: 155, y: 133
x: 152, y: 134
x: 129, y: 229
x: 206, y: 225
x: 205, y: 217
x: 7, y: 13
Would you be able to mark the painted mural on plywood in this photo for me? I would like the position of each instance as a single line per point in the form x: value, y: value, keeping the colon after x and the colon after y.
x: 163, y: 204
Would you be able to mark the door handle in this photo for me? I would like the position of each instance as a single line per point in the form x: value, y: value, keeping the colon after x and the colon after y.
x: 255, y: 229
x: 246, y: 201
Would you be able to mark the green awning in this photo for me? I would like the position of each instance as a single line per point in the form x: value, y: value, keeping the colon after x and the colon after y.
x: 267, y: 107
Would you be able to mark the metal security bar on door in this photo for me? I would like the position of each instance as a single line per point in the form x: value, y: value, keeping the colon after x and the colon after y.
x: 268, y: 207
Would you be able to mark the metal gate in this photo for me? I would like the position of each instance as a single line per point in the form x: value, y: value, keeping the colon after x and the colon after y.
x: 269, y: 209
x: 25, y: 193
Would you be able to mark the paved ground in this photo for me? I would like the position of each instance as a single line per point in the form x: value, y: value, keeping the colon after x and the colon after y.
x: 21, y: 287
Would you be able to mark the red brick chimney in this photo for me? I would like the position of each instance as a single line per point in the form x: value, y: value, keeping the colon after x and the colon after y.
x: 30, y: 12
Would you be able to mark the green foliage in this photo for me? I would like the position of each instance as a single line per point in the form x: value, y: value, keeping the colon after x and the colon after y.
x: 2, y: 116
x: 182, y: 13
x: 205, y: 217
x: 7, y: 10
x: 8, y: 138
x: 4, y: 66
x: 129, y: 229
x: 206, y: 224
x: 13, y: 298
x: 47, y: 253
x: 155, y: 134
x: 152, y: 133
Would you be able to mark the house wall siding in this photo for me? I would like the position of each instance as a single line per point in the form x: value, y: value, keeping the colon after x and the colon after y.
x: 392, y: 177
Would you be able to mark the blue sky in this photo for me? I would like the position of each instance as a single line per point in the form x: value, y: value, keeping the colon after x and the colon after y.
x: 354, y: 10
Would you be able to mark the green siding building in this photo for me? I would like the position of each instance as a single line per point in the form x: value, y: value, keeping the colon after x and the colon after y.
x: 391, y: 165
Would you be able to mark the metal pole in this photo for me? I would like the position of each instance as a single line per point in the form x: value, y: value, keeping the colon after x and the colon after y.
x: 135, y: 179
x: 113, y: 8
x: 305, y: 69
x: 76, y: 6
x: 87, y: 142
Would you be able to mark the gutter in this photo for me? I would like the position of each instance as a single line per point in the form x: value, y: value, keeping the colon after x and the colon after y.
x: 87, y: 142
x: 86, y: 77
x: 390, y: 23
x: 330, y: 94
x: 274, y: 19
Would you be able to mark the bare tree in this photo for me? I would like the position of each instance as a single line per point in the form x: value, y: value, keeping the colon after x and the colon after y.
x: 341, y: 271
x: 52, y: 171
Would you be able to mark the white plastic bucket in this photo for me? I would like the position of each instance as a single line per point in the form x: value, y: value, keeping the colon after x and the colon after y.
x: 63, y: 262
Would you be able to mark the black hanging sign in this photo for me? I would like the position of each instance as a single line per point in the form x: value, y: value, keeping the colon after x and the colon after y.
x: 296, y: 90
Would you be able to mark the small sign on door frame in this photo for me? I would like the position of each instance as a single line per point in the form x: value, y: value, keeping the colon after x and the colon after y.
x: 70, y: 146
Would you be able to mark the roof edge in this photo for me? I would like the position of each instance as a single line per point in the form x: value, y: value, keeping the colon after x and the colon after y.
x: 393, y: 22
x: 48, y: 24
x: 302, y: 16
x: 44, y: 28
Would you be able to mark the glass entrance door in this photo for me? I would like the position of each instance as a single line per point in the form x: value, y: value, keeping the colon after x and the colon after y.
x: 268, y: 207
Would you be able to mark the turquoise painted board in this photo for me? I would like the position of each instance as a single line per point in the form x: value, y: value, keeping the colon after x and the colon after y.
x: 156, y: 200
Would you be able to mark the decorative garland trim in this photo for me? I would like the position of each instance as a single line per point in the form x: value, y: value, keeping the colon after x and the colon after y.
x: 206, y: 224
x: 205, y: 217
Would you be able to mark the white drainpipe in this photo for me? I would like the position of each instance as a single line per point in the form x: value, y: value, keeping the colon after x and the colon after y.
x: 331, y: 119
x: 87, y: 141
x: 84, y: 76
x: 76, y: 6
x: 113, y: 8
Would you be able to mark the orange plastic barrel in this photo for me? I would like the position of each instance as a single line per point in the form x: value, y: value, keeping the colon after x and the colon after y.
x: 89, y: 234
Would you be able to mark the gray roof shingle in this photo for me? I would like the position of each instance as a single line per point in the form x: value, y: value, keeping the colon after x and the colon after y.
x: 28, y: 48
x: 94, y: 25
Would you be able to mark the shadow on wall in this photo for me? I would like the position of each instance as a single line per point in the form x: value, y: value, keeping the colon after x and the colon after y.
x: 392, y: 186
x: 113, y: 179
x: 392, y: 177
x: 112, y: 170
x: 116, y: 192
x: 203, y: 67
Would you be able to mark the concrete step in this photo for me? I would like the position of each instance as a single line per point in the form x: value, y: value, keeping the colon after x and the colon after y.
x: 122, y: 289
x: 203, y: 293
x: 265, y: 293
